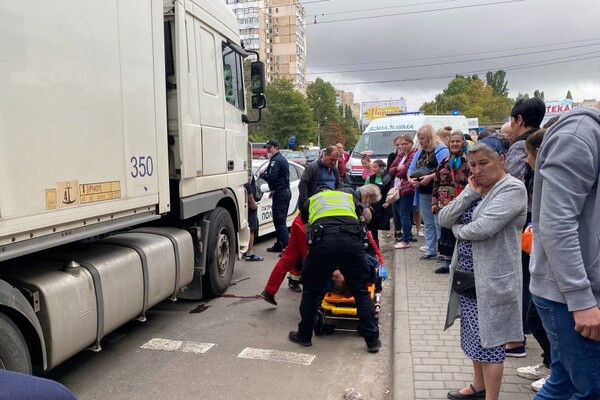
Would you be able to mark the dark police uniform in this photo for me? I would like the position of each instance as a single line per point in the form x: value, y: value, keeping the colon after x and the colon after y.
x: 335, y: 241
x: 277, y: 176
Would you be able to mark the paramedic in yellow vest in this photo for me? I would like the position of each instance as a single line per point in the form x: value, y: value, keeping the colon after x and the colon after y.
x: 335, y: 240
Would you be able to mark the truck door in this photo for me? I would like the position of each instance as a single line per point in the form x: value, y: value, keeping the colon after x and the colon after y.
x: 200, y: 97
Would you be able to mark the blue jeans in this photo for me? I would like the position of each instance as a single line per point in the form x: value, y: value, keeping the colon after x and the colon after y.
x: 432, y: 228
x: 575, y: 368
x: 404, y: 207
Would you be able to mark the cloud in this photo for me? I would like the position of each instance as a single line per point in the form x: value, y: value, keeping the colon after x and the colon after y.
x: 563, y: 31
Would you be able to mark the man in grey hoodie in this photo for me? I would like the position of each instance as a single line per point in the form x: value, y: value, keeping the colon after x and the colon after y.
x: 565, y: 260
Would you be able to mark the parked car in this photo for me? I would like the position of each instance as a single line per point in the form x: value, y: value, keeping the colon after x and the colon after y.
x: 265, y: 212
x: 312, y: 154
x: 296, y: 156
x: 259, y: 150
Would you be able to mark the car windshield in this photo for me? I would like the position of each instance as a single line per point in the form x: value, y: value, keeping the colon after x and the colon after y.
x: 378, y: 144
x: 294, y: 154
x: 312, y: 153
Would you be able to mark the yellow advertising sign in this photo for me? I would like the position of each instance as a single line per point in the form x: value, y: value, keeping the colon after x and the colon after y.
x: 380, y: 112
x: 371, y: 110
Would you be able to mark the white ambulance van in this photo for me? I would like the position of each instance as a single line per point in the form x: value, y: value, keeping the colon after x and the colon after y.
x: 378, y: 139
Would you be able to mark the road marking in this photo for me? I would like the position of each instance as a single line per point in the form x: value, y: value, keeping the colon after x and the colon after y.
x: 276, y: 355
x: 177, y: 345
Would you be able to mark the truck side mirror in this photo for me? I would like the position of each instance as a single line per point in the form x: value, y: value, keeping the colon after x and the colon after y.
x: 259, y: 101
x: 257, y: 78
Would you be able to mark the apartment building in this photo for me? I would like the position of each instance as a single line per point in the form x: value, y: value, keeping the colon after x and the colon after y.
x: 276, y: 29
x: 252, y: 16
x: 288, y: 41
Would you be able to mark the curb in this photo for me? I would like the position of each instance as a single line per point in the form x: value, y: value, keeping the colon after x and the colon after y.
x: 402, y: 371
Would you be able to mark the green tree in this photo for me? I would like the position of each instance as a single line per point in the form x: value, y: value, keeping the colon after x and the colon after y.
x: 539, y: 95
x: 321, y: 99
x: 497, y: 80
x: 569, y: 96
x: 472, y: 97
x: 522, y: 96
x: 287, y: 113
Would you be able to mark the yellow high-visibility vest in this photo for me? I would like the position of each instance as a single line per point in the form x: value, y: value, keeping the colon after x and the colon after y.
x: 331, y: 203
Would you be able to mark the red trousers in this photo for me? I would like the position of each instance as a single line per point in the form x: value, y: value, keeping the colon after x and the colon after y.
x: 293, y: 256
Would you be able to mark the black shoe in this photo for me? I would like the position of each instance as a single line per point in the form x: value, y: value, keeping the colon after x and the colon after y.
x: 293, y: 336
x: 442, y: 270
x: 441, y: 258
x: 413, y: 239
x: 374, y: 348
x: 268, y: 297
x: 427, y: 257
x: 457, y: 395
x: 294, y: 286
x: 275, y: 249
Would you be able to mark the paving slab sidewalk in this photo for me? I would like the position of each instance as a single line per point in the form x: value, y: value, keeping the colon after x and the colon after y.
x: 428, y: 361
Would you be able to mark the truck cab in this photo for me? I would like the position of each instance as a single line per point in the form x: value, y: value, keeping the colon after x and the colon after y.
x: 126, y: 153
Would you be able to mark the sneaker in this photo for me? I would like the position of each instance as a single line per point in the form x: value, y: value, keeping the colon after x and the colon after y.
x: 402, y: 245
x: 534, y: 372
x: 518, y: 352
x: 442, y: 270
x: 424, y: 249
x: 441, y: 258
x: 427, y: 257
x: 413, y: 239
x: 269, y: 298
x: 275, y: 249
x: 537, y: 385
x: 420, y: 234
x: 293, y: 336
x: 253, y: 257
x: 374, y: 347
x: 294, y: 286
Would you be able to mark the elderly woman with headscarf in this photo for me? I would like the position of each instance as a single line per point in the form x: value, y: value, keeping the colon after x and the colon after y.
x: 450, y: 180
x: 485, y: 273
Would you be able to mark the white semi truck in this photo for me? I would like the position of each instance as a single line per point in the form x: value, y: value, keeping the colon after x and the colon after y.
x: 123, y: 157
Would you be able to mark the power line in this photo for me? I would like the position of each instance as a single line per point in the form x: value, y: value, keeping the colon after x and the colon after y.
x: 456, y: 55
x: 416, y: 12
x: 452, y: 62
x: 381, y: 8
x: 560, y: 60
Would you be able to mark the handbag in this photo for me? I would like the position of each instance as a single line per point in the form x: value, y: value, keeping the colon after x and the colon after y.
x: 463, y: 283
x: 421, y: 171
x: 527, y: 239
x: 446, y: 242
x: 393, y: 195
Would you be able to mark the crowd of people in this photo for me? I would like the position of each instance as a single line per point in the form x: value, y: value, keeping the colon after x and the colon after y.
x: 475, y: 196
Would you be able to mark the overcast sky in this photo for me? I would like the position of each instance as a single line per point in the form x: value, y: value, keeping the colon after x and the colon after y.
x: 509, y: 33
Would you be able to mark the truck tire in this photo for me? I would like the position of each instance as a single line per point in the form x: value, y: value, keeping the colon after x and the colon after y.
x: 220, y: 252
x: 14, y: 354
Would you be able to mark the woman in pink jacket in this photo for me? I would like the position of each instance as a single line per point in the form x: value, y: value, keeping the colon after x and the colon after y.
x: 399, y: 169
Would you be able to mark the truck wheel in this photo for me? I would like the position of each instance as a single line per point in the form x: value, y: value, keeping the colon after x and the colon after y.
x: 14, y: 354
x: 220, y: 252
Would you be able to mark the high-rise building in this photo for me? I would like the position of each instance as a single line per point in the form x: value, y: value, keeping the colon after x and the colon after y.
x: 288, y: 41
x: 276, y: 29
x: 252, y: 16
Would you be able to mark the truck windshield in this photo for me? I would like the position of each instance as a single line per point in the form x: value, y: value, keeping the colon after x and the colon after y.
x: 378, y: 144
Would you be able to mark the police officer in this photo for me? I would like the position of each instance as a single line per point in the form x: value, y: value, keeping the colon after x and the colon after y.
x: 277, y: 175
x: 336, y: 241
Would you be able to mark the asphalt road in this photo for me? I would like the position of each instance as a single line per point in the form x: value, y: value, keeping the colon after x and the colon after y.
x: 237, y: 348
